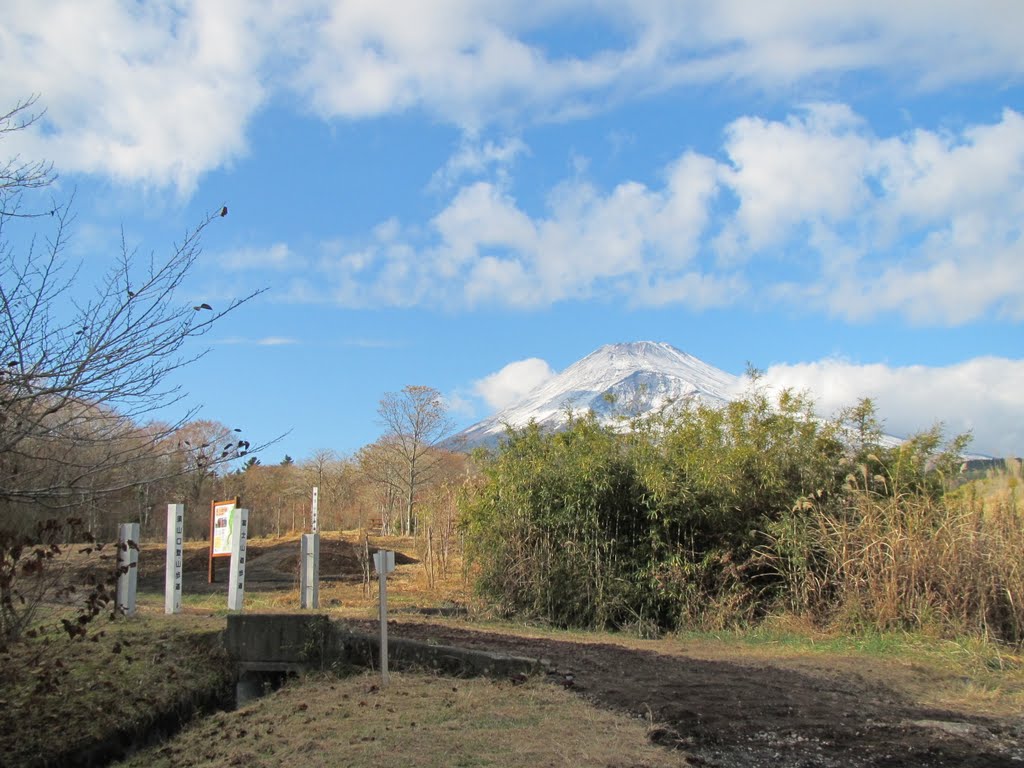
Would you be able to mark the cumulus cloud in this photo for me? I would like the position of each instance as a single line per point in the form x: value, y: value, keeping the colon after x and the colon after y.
x: 789, y: 173
x: 153, y: 94
x: 982, y: 395
x: 475, y: 158
x: 472, y: 62
x: 160, y: 93
x: 486, y: 249
x: 513, y: 382
x: 923, y: 225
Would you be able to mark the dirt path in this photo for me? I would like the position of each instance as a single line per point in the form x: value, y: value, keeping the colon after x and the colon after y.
x: 757, y: 714
x: 728, y: 713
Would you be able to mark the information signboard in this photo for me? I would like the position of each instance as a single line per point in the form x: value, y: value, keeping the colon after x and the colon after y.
x: 222, y: 523
x: 222, y: 514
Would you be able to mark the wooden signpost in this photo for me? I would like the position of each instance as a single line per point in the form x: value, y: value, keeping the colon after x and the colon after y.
x: 384, y: 562
x: 175, y: 559
x: 236, y: 580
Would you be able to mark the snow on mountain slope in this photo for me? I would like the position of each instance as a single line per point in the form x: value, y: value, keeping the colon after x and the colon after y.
x: 620, y: 380
x: 616, y: 380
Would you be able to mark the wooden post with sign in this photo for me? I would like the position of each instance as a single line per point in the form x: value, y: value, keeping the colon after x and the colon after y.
x: 314, y: 513
x: 175, y: 558
x: 236, y: 580
x: 384, y: 562
x: 220, y: 531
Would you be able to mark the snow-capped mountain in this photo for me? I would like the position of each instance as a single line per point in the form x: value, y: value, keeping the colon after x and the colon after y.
x: 616, y: 380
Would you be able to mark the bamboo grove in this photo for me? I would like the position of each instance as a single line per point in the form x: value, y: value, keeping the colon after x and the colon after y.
x: 716, y: 517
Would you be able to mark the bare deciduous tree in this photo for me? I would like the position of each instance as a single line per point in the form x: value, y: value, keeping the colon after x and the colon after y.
x: 79, y: 375
x: 83, y: 374
x: 416, y: 422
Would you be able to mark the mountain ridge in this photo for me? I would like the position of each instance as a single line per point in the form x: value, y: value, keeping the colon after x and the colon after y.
x: 625, y: 379
x: 631, y: 377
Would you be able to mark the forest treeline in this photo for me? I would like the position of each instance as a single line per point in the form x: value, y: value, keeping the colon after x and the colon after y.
x: 717, y: 517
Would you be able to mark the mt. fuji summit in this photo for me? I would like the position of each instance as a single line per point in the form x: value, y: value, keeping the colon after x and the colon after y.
x: 632, y: 379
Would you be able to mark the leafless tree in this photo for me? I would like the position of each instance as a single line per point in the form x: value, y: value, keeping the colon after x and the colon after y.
x: 82, y: 373
x: 416, y: 422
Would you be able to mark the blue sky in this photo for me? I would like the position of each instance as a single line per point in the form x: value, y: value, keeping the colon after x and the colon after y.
x: 472, y: 196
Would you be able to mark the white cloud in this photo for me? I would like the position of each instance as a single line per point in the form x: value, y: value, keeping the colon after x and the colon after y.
x: 513, y: 382
x: 814, y: 211
x: 266, y: 341
x: 587, y: 244
x: 160, y: 93
x: 924, y: 225
x: 982, y: 395
x: 155, y: 94
x: 277, y: 257
x: 471, y: 62
x: 474, y: 158
x: 807, y: 169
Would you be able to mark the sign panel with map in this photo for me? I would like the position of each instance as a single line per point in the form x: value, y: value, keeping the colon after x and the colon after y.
x: 221, y: 534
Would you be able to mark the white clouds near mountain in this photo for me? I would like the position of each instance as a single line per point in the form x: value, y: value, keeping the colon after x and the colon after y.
x: 982, y: 395
x: 512, y: 382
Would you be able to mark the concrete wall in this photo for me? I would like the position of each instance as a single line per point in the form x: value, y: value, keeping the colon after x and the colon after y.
x: 305, y: 642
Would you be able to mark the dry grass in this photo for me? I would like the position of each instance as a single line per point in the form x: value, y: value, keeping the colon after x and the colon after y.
x: 59, y: 695
x: 418, y: 720
x: 952, y: 567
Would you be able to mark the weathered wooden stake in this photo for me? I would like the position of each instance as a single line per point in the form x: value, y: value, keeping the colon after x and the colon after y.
x: 175, y: 559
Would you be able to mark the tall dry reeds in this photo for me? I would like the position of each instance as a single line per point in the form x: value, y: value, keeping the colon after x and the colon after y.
x: 905, y: 560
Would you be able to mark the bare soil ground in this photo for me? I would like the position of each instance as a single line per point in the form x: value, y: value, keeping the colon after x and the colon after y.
x: 727, y: 713
x: 720, y: 710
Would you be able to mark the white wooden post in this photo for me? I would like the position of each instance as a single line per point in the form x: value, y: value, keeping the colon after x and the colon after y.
x: 309, y: 567
x: 384, y: 562
x: 239, y: 537
x: 127, y: 555
x: 314, y: 516
x: 175, y: 558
